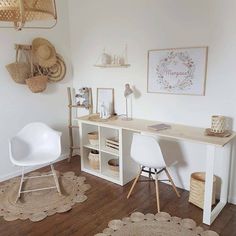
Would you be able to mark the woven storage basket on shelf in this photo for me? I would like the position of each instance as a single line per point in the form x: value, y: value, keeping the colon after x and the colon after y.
x: 19, y: 70
x: 93, y: 138
x: 94, y: 160
x: 197, y: 189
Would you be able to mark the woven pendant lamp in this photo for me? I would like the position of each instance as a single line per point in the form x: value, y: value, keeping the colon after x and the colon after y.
x: 20, y: 12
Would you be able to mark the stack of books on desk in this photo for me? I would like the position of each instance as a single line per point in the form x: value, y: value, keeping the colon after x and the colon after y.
x: 159, y: 127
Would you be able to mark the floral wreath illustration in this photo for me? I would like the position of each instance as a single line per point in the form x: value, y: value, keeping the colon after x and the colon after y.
x: 187, y: 77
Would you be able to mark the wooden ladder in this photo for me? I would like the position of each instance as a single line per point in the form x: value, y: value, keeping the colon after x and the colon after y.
x: 71, y: 126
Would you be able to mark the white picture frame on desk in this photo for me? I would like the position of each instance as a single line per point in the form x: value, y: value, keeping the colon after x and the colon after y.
x: 105, y: 96
x: 179, y: 71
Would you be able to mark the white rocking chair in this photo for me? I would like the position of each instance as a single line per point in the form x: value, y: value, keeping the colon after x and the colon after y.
x: 36, y: 144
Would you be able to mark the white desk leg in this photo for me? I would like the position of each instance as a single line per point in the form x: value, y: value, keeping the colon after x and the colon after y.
x: 209, y: 184
x: 225, y: 172
x: 208, y: 215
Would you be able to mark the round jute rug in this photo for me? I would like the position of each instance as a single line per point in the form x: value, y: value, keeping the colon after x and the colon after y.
x: 161, y: 224
x: 36, y: 206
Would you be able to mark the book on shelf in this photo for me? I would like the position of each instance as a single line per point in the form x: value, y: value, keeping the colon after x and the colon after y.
x: 159, y: 127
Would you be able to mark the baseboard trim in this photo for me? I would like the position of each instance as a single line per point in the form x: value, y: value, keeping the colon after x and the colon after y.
x: 27, y: 170
x: 232, y: 200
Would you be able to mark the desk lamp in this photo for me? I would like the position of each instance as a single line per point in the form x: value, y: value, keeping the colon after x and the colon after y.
x: 127, y: 93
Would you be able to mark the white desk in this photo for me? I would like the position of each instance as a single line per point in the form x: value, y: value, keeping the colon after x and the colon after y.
x: 128, y: 169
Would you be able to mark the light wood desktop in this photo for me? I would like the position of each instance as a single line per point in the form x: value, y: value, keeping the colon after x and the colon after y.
x: 128, y: 169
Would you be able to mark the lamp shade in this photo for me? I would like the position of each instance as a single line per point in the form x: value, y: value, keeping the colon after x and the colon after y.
x: 128, y: 90
x: 21, y: 11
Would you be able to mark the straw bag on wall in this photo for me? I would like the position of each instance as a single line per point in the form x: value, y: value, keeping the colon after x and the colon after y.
x: 36, y: 84
x: 19, y: 71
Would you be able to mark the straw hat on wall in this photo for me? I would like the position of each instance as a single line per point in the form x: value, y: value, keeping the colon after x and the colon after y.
x: 58, y: 71
x: 44, y: 52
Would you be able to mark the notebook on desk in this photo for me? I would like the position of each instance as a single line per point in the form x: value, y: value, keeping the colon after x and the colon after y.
x: 159, y: 127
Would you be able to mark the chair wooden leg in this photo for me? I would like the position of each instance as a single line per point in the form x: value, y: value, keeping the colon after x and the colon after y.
x: 134, y: 183
x: 157, y: 192
x: 20, y: 187
x: 56, y: 180
x: 172, y: 182
x: 150, y: 175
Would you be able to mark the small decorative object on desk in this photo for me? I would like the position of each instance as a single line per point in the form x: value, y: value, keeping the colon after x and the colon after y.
x: 114, y: 165
x: 159, y: 127
x: 226, y: 134
x: 93, y: 138
x: 112, y: 143
x: 218, y: 124
x: 96, y: 118
x: 94, y: 159
x: 104, y: 112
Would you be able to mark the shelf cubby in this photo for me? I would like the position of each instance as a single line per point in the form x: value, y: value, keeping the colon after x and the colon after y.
x: 87, y: 128
x: 107, y: 133
x: 105, y: 170
x: 85, y: 161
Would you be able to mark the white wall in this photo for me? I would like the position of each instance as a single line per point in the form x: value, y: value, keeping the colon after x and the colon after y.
x: 153, y: 24
x: 18, y: 106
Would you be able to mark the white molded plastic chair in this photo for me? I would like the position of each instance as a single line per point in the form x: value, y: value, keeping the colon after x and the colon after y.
x: 146, y: 151
x: 36, y: 144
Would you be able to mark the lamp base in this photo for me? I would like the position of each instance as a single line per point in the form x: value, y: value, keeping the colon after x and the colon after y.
x: 126, y: 118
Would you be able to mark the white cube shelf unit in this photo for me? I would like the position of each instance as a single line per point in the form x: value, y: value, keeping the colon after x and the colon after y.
x: 127, y: 167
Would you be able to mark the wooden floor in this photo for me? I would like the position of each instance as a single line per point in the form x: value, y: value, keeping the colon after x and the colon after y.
x: 107, y: 201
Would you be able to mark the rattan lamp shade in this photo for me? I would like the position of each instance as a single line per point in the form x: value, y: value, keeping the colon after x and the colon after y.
x: 21, y: 11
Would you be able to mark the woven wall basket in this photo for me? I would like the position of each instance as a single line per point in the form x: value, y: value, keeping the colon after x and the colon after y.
x: 19, y: 71
x: 37, y: 84
x: 197, y: 189
x: 21, y: 11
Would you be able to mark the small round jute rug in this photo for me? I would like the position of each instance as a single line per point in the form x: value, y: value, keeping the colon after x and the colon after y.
x: 36, y: 206
x: 161, y: 224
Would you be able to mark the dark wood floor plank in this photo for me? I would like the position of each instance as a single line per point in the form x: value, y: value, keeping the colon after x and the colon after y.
x: 107, y: 201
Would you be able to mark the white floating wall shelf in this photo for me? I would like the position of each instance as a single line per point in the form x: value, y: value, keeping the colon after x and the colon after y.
x: 107, y: 60
x: 113, y: 66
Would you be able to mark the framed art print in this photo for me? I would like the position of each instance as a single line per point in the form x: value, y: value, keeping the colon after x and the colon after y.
x: 177, y: 71
x: 105, y: 96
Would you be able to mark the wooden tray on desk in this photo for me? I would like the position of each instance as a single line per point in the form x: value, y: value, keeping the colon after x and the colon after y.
x: 227, y: 133
x: 96, y: 118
